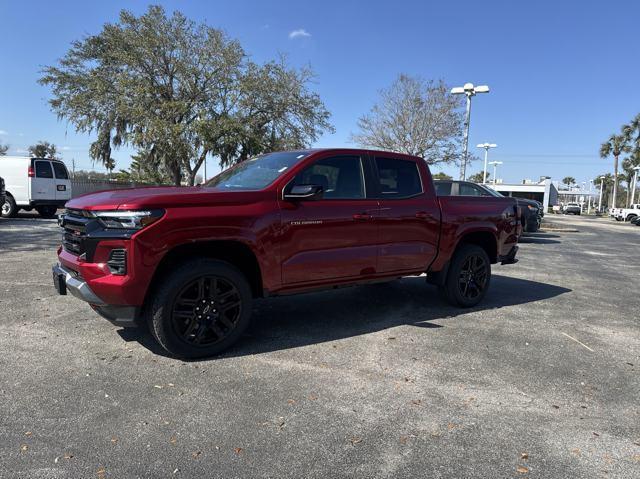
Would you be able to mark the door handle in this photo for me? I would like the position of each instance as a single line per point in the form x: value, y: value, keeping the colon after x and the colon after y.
x: 362, y: 217
x: 423, y: 215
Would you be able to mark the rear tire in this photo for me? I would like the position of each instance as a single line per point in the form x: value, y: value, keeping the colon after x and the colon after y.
x: 201, y: 309
x: 9, y: 208
x: 468, y: 278
x: 47, y: 211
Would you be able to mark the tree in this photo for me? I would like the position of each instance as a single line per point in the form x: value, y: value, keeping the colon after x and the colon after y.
x: 180, y: 91
x: 615, y: 145
x: 44, y: 149
x: 629, y: 174
x: 3, y: 149
x: 569, y: 181
x: 478, y: 177
x: 416, y: 117
x: 442, y: 176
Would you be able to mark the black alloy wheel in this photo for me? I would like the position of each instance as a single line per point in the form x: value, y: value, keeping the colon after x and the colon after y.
x: 206, y: 310
x: 201, y: 308
x: 468, y: 277
x: 473, y: 276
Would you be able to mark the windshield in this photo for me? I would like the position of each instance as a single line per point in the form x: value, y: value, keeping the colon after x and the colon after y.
x: 256, y: 173
x: 492, y: 192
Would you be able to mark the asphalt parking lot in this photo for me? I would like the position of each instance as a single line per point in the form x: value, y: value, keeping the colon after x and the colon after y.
x: 541, y: 380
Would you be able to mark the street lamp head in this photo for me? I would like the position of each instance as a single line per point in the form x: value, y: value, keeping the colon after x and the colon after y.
x: 457, y: 90
x: 636, y: 167
x: 486, y: 145
x: 468, y: 87
x: 481, y: 89
x: 603, y: 177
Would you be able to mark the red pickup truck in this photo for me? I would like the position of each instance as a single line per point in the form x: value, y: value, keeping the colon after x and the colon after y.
x: 189, y: 261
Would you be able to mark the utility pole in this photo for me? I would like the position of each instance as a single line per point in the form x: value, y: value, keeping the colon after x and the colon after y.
x: 469, y: 91
x: 601, y: 188
x: 635, y: 181
x: 495, y: 170
x: 486, y: 147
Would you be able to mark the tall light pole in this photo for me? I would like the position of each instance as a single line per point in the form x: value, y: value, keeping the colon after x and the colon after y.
x: 589, y: 202
x: 601, y: 187
x: 635, y: 181
x: 486, y: 147
x: 495, y: 169
x: 469, y: 91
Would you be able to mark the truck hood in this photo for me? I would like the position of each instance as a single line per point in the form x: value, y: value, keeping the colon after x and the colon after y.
x: 162, y: 197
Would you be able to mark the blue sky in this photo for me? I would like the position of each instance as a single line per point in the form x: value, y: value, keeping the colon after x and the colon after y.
x: 563, y: 74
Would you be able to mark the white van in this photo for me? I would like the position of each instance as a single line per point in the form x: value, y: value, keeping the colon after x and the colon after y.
x: 39, y: 183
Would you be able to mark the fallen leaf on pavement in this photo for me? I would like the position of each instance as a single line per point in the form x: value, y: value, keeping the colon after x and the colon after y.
x: 291, y: 401
x: 555, y: 407
x: 173, y: 440
x: 24, y: 448
x: 355, y: 440
x: 101, y: 472
x: 114, y: 440
x: 67, y: 456
x: 524, y: 455
x: 196, y: 454
x: 522, y: 469
x: 576, y: 452
x: 28, y: 433
x: 238, y: 450
x: 416, y: 402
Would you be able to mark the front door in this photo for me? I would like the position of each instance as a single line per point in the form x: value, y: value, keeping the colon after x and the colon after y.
x: 334, y: 237
x: 409, y: 222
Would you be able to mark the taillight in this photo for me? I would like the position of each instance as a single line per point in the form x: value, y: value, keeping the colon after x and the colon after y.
x: 30, y: 172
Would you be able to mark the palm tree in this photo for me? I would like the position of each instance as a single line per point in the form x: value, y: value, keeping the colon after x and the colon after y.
x: 569, y: 180
x: 631, y: 130
x: 615, y: 145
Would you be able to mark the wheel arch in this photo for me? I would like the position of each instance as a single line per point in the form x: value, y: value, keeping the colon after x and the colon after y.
x: 485, y: 239
x: 233, y: 252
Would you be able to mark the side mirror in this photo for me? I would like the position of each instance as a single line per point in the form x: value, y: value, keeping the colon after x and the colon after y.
x: 304, y: 193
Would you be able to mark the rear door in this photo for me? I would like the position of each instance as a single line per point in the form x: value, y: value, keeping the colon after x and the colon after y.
x: 62, y: 182
x: 409, y: 220
x: 43, y: 186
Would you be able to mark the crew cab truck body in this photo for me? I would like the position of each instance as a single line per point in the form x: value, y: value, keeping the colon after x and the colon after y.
x: 189, y: 260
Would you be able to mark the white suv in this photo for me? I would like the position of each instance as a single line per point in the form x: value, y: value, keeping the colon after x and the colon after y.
x: 34, y: 183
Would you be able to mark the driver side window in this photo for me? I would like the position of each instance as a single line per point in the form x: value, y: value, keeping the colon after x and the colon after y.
x: 341, y: 177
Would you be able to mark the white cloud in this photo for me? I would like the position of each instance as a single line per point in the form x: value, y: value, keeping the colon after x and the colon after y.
x: 22, y: 150
x: 300, y: 33
x: 4, y: 132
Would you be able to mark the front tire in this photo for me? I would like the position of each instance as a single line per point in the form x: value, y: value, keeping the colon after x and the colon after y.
x: 468, y: 277
x: 201, y: 309
x: 47, y: 211
x: 9, y: 208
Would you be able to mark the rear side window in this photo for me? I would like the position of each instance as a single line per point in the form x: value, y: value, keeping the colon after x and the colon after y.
x: 341, y: 177
x: 398, y: 178
x: 470, y: 190
x: 60, y: 170
x: 443, y: 188
x: 43, y: 169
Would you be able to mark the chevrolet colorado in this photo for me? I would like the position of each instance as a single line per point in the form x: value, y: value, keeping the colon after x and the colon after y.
x: 189, y: 260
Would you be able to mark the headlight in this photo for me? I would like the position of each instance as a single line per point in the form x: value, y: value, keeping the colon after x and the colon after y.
x: 127, y: 220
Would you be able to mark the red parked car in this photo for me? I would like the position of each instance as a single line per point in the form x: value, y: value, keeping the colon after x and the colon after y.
x: 189, y: 261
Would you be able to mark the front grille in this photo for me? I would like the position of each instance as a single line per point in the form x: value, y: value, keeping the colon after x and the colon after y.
x: 75, y: 230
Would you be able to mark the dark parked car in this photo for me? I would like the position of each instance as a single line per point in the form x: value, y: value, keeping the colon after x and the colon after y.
x: 636, y: 221
x: 530, y: 209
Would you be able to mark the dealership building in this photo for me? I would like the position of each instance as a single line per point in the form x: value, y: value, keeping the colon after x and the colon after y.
x: 543, y: 191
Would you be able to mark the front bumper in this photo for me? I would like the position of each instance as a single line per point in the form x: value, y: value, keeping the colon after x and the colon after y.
x: 66, y: 280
